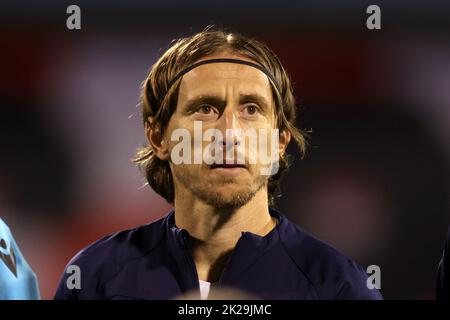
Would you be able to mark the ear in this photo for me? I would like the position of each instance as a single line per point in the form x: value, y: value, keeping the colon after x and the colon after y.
x: 285, y: 138
x: 156, y: 140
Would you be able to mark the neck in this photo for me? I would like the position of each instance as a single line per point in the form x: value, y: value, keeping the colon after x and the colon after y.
x: 215, y: 232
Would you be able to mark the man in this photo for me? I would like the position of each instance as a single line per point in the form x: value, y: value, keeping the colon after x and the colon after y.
x: 17, y: 280
x: 203, y: 103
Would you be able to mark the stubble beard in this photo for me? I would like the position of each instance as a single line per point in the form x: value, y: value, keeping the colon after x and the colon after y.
x: 209, y: 194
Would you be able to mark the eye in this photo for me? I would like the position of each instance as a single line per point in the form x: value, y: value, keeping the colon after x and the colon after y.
x: 251, y: 109
x: 205, y: 109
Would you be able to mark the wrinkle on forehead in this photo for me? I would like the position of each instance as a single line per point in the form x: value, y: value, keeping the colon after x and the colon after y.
x: 227, y: 69
x: 219, y: 75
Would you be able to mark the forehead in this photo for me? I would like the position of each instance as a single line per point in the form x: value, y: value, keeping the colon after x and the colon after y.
x: 216, y: 78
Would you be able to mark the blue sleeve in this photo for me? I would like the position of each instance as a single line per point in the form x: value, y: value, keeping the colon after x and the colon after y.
x: 18, y: 281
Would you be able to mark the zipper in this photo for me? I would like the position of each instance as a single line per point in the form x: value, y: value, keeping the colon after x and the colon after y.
x: 236, y: 247
x: 190, y: 262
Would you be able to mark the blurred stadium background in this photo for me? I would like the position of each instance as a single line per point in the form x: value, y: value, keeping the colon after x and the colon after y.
x: 374, y: 183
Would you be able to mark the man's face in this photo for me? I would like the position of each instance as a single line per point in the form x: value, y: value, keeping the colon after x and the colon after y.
x: 225, y: 97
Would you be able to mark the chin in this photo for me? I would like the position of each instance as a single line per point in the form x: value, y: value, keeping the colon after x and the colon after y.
x: 228, y: 196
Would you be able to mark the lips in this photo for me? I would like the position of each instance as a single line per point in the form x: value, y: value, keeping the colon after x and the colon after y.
x: 228, y: 166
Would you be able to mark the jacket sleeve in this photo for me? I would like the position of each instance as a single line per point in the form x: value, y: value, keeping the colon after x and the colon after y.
x: 355, y: 285
x: 87, y: 271
x: 82, y: 277
x: 71, y: 281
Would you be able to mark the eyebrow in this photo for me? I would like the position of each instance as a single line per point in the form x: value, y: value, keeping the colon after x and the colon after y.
x: 193, y: 103
x: 255, y: 97
x: 219, y: 102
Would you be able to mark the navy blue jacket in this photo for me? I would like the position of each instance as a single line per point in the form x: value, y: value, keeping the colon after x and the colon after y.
x: 153, y: 262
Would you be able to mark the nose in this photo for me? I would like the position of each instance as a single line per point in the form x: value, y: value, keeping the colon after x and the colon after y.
x: 229, y: 126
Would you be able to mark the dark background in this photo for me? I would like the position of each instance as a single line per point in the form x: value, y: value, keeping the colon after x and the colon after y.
x: 374, y: 183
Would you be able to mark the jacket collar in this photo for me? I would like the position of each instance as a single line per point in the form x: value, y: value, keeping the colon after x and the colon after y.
x: 181, y: 234
x: 248, y: 249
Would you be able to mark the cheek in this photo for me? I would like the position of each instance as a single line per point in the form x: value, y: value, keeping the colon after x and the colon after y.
x: 266, y: 142
x: 187, y: 172
x: 179, y: 137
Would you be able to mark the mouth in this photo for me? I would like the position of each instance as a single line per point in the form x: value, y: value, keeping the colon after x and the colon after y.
x: 228, y: 169
x: 228, y: 166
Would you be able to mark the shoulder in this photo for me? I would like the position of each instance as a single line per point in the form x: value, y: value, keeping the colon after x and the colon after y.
x: 104, y: 258
x: 331, y: 273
